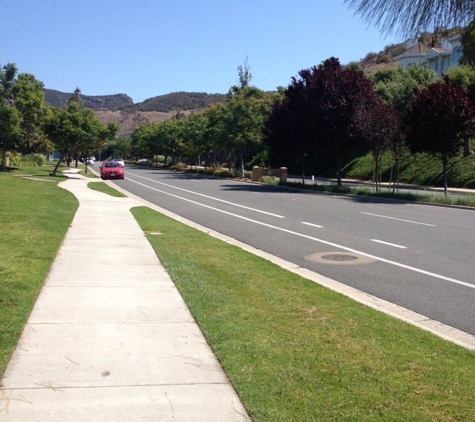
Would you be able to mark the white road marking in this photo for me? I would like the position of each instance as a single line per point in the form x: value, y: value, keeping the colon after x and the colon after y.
x: 399, y: 219
x: 335, y: 245
x: 313, y: 225
x: 209, y: 197
x: 390, y: 244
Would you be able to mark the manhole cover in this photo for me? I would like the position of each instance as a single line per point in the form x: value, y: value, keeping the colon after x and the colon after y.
x: 339, y: 257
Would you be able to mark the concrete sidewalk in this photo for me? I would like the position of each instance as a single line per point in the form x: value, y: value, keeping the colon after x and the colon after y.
x: 110, y: 338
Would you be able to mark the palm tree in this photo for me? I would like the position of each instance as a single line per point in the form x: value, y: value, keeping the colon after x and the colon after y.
x: 407, y: 18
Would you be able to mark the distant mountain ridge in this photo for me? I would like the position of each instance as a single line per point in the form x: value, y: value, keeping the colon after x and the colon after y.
x: 121, y: 109
x: 178, y: 101
x: 96, y: 102
x: 175, y: 101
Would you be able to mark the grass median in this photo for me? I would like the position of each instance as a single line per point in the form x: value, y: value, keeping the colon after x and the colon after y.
x: 296, y: 351
x: 34, y: 217
x: 105, y: 188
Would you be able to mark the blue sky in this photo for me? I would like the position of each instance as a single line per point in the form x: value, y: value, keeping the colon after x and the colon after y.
x: 145, y: 48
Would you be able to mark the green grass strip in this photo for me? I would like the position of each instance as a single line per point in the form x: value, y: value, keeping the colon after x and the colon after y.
x: 296, y: 351
x: 34, y: 217
x: 105, y: 188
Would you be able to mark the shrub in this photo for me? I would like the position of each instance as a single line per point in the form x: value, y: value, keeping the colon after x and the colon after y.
x: 29, y: 160
x: 269, y: 180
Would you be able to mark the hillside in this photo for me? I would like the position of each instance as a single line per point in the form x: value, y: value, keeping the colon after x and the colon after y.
x: 177, y: 101
x: 128, y: 119
x: 96, y: 102
x: 157, y: 109
x: 121, y: 109
x: 373, y: 62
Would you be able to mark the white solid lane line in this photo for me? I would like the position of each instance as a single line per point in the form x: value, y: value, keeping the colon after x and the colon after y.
x: 389, y: 244
x: 209, y: 197
x: 398, y: 219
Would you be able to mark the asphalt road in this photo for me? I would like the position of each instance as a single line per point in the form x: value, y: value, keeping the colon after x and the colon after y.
x: 420, y: 257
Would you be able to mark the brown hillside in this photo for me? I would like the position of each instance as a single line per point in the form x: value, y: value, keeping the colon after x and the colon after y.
x: 128, y: 120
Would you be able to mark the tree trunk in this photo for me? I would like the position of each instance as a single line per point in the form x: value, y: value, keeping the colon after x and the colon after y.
x: 467, y: 150
x: 55, y: 170
x: 396, y: 178
x: 338, y: 170
x: 390, y: 178
x: 4, y: 160
x: 444, y: 165
x: 241, y: 157
x: 376, y: 172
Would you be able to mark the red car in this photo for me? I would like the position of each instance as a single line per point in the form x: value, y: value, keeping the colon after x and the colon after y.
x: 112, y: 170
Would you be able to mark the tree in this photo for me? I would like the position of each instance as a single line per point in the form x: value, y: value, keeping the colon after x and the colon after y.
x: 170, y: 138
x: 30, y: 102
x: 467, y: 40
x: 245, y: 76
x: 237, y: 125
x: 193, y: 134
x: 245, y: 112
x: 286, y: 136
x: 75, y: 130
x: 22, y: 110
x: 396, y: 87
x: 9, y: 129
x: 9, y: 116
x: 122, y: 147
x: 379, y: 129
x: 439, y: 121
x: 163, y: 138
x: 410, y: 17
x: 140, y: 144
x: 105, y: 134
x: 319, y: 113
x: 214, y: 135
x: 325, y: 101
x: 465, y: 77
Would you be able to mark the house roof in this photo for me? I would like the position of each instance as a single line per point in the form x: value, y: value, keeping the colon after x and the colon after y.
x: 418, y: 49
x: 437, y: 52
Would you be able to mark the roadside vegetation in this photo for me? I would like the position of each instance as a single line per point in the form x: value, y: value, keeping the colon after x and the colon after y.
x: 418, y: 169
x: 461, y: 175
x: 105, y: 188
x: 34, y: 216
x: 296, y: 351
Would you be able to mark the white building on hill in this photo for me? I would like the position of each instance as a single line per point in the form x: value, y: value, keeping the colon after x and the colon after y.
x: 436, y: 59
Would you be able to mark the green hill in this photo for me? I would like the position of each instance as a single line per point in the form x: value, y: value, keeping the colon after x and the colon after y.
x: 96, y: 102
x: 177, y: 101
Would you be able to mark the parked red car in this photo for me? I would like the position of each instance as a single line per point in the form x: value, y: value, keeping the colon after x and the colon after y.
x: 112, y: 170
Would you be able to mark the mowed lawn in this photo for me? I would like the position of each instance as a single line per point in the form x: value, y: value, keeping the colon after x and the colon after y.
x: 296, y: 351
x: 34, y: 217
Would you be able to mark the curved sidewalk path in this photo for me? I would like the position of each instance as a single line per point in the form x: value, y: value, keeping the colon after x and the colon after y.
x: 110, y: 338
